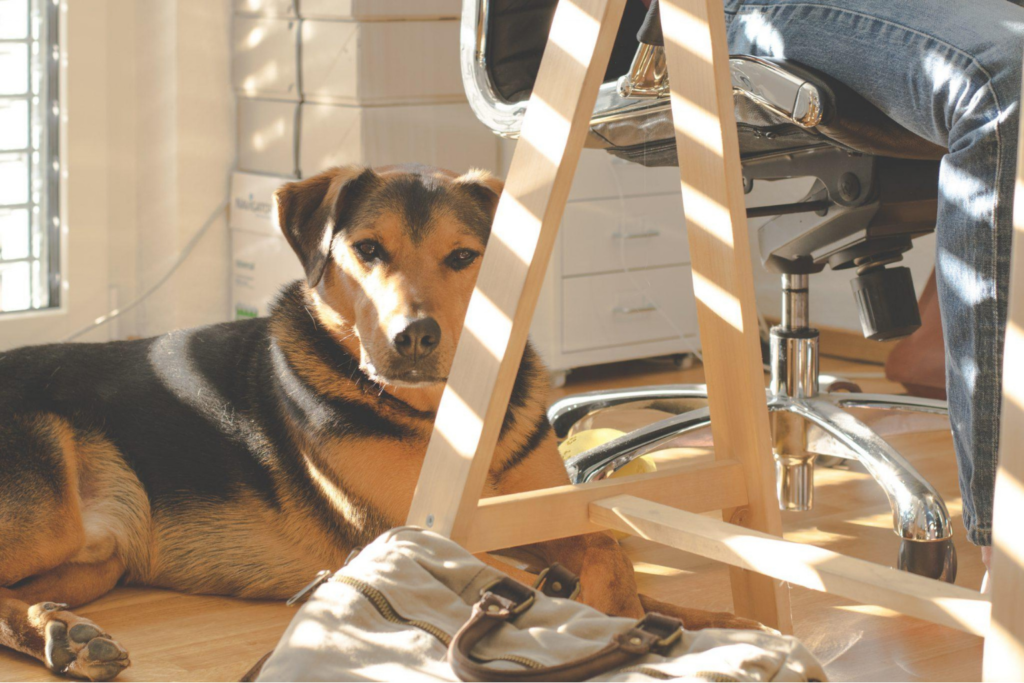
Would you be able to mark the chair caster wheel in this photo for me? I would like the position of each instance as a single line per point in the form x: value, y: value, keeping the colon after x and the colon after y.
x: 933, y: 559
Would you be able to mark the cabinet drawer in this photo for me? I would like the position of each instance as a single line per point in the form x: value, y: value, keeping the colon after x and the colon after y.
x: 264, y: 61
x: 607, y: 235
x: 627, y: 308
x: 601, y: 175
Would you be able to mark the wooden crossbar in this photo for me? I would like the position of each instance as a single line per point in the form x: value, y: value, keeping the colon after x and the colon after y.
x: 797, y: 563
x: 521, y: 518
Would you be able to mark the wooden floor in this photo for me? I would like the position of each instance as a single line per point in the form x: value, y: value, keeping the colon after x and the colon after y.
x: 181, y: 637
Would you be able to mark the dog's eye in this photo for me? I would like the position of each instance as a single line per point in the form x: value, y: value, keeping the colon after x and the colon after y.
x: 368, y: 250
x: 460, y: 258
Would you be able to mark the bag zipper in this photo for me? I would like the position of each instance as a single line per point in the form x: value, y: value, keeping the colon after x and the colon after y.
x: 384, y: 607
x: 378, y: 600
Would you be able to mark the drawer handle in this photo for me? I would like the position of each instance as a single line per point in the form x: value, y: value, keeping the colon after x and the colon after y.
x: 630, y: 310
x: 635, y: 235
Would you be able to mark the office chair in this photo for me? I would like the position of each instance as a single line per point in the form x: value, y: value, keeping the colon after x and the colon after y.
x: 875, y: 189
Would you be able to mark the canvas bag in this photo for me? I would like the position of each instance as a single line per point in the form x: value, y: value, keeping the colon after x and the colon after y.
x: 393, y: 611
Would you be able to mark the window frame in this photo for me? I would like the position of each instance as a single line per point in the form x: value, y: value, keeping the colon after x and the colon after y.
x: 47, y: 65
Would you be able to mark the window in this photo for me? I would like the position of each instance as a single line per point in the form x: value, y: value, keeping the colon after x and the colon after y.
x: 30, y: 275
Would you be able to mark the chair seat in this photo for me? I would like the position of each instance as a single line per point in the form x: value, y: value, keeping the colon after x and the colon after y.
x: 846, y: 117
x: 517, y: 34
x: 780, y: 107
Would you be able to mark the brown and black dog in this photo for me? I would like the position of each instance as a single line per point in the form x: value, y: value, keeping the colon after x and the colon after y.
x: 241, y: 458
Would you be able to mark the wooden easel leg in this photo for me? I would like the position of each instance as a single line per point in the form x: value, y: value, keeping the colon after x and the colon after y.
x: 522, y: 237
x: 712, y: 187
x: 1004, y: 645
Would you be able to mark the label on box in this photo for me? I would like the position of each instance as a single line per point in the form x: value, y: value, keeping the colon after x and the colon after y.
x: 252, y: 202
x: 261, y: 265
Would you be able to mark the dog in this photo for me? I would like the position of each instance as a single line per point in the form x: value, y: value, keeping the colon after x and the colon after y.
x: 241, y: 458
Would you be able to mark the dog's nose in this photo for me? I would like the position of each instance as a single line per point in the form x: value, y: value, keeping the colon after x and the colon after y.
x: 419, y: 338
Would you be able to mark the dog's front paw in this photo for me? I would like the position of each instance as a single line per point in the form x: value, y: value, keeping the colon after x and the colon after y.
x: 76, y: 646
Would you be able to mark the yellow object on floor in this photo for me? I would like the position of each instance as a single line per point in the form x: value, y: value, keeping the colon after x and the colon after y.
x: 592, y: 438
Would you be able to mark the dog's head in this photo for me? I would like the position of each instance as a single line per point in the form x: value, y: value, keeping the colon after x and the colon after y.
x: 392, y: 254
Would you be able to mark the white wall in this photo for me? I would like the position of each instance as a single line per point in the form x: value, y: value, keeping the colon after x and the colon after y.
x: 184, y: 152
x: 150, y: 145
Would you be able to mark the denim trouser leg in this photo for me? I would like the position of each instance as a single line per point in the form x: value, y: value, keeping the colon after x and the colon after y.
x: 949, y: 70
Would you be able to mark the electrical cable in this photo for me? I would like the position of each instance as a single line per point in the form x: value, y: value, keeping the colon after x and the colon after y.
x: 184, y: 254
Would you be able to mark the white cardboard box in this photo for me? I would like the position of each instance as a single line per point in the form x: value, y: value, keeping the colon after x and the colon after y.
x: 261, y: 259
x: 261, y: 264
x: 252, y: 202
x: 341, y: 62
x: 380, y: 10
x: 267, y: 136
x: 445, y: 135
x: 265, y: 58
x: 266, y: 8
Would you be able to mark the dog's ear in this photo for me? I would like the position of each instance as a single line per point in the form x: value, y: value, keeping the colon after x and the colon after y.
x: 484, y: 187
x: 310, y: 212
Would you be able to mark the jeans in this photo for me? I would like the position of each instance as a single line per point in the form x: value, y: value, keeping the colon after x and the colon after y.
x: 949, y: 71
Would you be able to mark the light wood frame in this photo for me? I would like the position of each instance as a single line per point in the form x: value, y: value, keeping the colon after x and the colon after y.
x: 741, y: 480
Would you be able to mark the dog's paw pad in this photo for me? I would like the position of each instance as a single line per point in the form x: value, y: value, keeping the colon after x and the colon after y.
x: 83, y: 650
x: 83, y: 633
x: 101, y: 660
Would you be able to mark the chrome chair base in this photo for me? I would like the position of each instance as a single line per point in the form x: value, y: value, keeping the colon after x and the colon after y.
x: 807, y: 421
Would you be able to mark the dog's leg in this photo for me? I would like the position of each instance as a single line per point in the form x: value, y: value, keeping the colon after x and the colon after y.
x: 64, y: 642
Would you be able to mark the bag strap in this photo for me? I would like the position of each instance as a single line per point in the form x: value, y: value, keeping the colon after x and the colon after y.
x: 506, y: 599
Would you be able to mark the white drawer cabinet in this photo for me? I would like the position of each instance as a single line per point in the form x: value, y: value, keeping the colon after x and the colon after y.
x: 607, y: 235
x: 621, y: 309
x: 599, y: 175
x: 592, y: 309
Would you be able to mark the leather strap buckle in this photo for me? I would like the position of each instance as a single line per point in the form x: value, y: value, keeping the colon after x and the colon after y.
x: 666, y: 629
x: 558, y: 582
x: 505, y: 598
